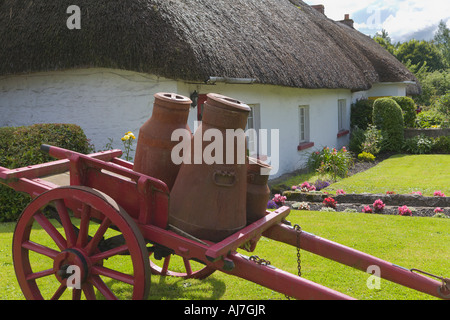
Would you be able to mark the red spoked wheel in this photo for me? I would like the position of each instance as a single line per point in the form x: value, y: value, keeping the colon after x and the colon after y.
x: 73, y: 258
x: 176, y: 266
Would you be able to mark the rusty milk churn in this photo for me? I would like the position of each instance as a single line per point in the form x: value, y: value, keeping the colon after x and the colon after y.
x: 153, y: 151
x: 208, y: 200
x: 258, y: 192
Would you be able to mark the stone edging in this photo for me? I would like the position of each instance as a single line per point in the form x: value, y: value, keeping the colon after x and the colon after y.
x: 413, y: 200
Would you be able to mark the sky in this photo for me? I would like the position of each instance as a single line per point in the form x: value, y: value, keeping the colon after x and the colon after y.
x: 402, y: 19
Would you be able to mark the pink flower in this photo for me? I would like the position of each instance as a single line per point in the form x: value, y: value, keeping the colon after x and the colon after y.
x: 378, y: 205
x: 438, y: 210
x: 279, y: 199
x: 403, y: 210
x: 340, y: 191
x: 439, y: 193
x: 367, y: 209
x: 417, y: 192
x: 294, y: 188
x: 329, y: 202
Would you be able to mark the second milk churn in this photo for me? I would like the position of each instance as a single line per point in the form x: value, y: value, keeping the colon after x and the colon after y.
x: 258, y: 192
x: 208, y: 199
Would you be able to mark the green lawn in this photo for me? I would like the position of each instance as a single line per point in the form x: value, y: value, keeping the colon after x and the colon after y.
x: 422, y: 243
x: 402, y: 174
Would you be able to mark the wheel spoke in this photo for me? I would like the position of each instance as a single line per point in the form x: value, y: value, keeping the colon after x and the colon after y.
x: 67, y: 224
x: 76, y: 294
x: 109, y: 253
x: 165, y: 265
x: 102, y: 287
x: 58, y: 292
x: 187, y: 266
x: 89, y: 292
x: 40, y: 274
x: 83, y: 233
x: 92, y: 245
x: 51, y: 230
x: 113, y: 274
x: 38, y: 248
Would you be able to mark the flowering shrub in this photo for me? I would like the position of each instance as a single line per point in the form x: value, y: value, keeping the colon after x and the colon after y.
x: 378, y: 205
x: 321, y: 184
x: 127, y: 140
x: 305, y: 187
x: 439, y: 193
x: 340, y: 191
x: 272, y: 205
x: 438, y: 210
x: 417, y: 192
x: 301, y: 205
x: 390, y: 192
x: 332, y: 161
x: 279, y: 199
x: 404, y: 210
x: 366, y: 156
x: 367, y: 209
x: 330, y: 203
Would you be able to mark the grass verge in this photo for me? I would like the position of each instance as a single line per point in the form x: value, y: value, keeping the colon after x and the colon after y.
x: 422, y: 243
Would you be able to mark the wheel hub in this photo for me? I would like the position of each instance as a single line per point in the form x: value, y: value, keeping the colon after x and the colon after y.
x: 71, y: 268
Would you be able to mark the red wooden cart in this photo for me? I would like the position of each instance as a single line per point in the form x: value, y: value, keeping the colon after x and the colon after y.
x: 92, y: 217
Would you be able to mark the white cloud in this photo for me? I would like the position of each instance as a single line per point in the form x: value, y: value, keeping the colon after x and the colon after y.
x: 400, y: 18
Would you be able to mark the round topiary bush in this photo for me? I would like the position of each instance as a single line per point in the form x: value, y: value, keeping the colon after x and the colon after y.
x: 408, y: 110
x: 388, y: 117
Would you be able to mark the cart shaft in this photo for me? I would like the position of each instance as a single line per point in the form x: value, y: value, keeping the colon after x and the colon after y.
x: 357, y: 259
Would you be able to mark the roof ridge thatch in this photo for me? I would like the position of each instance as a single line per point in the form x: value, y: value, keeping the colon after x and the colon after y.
x: 271, y: 41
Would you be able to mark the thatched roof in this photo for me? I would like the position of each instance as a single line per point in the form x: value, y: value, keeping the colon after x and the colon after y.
x: 280, y: 42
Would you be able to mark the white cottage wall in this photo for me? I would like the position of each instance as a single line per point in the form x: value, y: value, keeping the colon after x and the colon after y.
x: 106, y: 103
x: 279, y: 111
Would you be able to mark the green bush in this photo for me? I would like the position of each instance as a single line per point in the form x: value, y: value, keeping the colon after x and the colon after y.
x: 20, y: 147
x: 361, y: 114
x: 441, y: 145
x: 429, y: 119
x: 408, y: 109
x: 334, y: 162
x: 443, y: 104
x: 420, y: 144
x: 387, y: 116
x: 366, y: 156
x: 357, y: 138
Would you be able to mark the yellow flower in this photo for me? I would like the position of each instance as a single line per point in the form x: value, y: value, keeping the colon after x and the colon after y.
x: 125, y: 137
x: 130, y: 134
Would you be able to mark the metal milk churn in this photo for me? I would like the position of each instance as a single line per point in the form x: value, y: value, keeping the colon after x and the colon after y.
x: 154, y: 147
x: 208, y: 199
x: 258, y: 192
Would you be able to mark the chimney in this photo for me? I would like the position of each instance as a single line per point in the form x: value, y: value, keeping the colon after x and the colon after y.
x: 320, y: 8
x: 347, y: 21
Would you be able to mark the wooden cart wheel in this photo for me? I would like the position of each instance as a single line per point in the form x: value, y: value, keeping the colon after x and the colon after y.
x: 176, y: 266
x: 57, y: 262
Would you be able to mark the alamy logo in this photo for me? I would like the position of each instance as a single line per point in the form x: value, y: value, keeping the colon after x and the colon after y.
x: 373, y: 282
x: 74, y: 21
x: 209, y: 148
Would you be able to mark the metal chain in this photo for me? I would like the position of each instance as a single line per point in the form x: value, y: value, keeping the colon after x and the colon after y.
x: 299, y: 260
x: 260, y: 261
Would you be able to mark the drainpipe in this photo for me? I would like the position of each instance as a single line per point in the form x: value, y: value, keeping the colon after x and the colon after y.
x: 213, y: 80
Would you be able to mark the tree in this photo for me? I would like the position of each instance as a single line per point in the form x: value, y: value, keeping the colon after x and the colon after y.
x: 442, y: 40
x: 384, y: 40
x: 419, y: 52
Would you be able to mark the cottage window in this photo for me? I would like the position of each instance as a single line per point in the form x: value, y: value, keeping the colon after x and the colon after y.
x: 303, y: 125
x: 342, y: 112
x: 303, y: 112
x: 253, y: 125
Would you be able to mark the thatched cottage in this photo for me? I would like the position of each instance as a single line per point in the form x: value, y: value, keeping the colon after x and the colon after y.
x: 297, y: 69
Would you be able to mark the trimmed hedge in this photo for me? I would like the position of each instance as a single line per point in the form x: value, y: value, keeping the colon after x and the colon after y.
x: 388, y: 117
x: 361, y: 114
x: 20, y: 147
x: 408, y: 109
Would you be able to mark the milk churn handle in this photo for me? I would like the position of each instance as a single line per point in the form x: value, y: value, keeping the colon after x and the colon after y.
x: 228, y: 178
